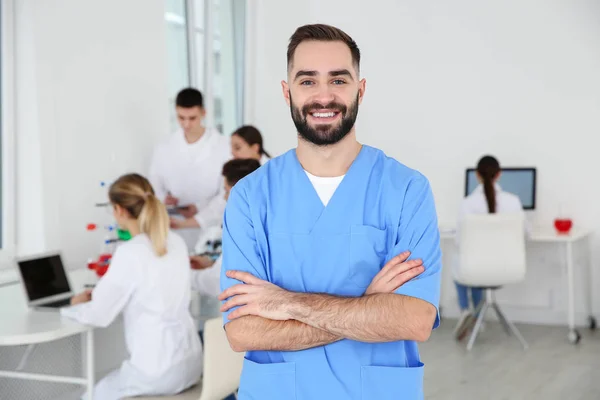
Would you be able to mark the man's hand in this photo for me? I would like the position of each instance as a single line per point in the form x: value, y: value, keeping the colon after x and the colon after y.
x: 395, y: 273
x: 171, y: 201
x: 188, y: 211
x: 81, y: 297
x: 264, y: 299
x: 177, y: 223
x: 255, y: 297
x: 201, y: 262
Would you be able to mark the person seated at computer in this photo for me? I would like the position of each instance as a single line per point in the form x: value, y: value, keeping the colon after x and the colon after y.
x: 247, y: 142
x: 149, y: 282
x: 488, y: 197
x: 206, y: 271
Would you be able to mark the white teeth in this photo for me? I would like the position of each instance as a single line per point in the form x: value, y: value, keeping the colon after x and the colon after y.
x: 323, y: 115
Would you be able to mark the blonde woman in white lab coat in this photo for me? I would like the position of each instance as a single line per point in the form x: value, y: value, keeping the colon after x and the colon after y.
x: 488, y: 197
x: 149, y: 282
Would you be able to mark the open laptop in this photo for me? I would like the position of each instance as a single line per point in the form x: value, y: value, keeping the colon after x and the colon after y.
x: 45, y: 281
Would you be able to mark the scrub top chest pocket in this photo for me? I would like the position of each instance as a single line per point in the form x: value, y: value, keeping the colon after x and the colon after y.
x: 368, y: 252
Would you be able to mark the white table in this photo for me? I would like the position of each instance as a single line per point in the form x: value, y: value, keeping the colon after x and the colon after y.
x: 20, y: 325
x: 567, y: 240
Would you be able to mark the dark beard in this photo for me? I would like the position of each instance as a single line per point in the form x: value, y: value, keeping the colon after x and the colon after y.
x: 324, y: 135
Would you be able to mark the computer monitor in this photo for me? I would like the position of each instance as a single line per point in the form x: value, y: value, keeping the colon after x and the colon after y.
x: 44, y: 277
x: 518, y: 181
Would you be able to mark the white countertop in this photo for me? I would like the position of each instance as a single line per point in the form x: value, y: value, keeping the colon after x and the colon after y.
x: 8, y: 276
x: 21, y: 325
x: 537, y: 235
x: 550, y: 235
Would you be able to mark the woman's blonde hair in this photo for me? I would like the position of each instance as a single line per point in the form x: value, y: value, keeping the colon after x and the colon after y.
x: 134, y: 193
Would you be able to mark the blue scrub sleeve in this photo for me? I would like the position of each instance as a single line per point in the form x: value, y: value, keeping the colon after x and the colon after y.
x: 240, y: 248
x: 419, y: 233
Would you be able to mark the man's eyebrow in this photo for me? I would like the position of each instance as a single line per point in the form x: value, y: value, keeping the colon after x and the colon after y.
x: 303, y: 72
x: 340, y: 72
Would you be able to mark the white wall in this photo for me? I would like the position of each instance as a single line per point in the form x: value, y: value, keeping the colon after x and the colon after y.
x: 450, y: 81
x: 92, y: 101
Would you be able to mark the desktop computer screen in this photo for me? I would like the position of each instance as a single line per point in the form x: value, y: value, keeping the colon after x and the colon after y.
x: 518, y: 181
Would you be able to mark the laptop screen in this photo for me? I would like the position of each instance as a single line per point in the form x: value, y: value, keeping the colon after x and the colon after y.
x: 44, y: 277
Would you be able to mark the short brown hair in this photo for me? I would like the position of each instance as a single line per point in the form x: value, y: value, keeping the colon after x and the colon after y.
x: 322, y: 33
x: 234, y: 170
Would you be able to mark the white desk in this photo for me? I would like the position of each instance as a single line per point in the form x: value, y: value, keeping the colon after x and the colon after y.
x: 20, y: 325
x: 550, y: 236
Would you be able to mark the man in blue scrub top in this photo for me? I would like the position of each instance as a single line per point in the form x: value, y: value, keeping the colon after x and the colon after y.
x: 331, y: 253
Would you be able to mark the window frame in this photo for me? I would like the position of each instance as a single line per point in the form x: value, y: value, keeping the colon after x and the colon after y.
x: 8, y: 242
x: 207, y: 33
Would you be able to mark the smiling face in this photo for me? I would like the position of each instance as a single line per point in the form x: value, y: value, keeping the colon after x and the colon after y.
x: 323, y: 91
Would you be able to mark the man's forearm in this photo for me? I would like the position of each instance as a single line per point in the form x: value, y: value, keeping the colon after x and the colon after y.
x: 374, y: 318
x: 251, y: 333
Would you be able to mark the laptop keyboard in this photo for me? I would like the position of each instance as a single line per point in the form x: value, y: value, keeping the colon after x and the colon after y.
x: 58, y: 303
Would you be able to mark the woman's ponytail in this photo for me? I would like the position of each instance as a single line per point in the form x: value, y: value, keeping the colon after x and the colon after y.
x: 154, y: 222
x: 488, y: 169
x: 490, y: 194
x: 264, y: 152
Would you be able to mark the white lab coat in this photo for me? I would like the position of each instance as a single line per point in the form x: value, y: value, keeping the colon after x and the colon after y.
x: 476, y: 203
x: 263, y: 159
x: 153, y: 293
x: 192, y: 173
x: 207, y: 281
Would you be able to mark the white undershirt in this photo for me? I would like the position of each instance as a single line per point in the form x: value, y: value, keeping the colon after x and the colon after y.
x: 325, y: 186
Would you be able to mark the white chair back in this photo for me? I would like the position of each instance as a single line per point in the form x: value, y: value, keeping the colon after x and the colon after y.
x: 222, y: 366
x: 491, y: 249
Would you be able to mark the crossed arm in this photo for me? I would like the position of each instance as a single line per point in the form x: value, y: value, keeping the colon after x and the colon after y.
x: 263, y: 316
x: 252, y: 333
x: 270, y: 318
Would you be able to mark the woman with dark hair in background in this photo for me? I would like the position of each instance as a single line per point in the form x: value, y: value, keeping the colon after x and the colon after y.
x: 488, y: 197
x: 247, y: 142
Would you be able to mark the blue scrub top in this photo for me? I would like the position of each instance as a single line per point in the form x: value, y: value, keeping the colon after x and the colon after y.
x: 277, y: 228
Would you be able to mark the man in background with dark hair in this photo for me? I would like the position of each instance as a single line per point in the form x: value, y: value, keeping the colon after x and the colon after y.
x: 331, y: 253
x: 186, y: 167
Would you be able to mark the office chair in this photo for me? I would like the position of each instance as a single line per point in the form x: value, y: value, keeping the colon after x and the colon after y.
x: 491, y: 254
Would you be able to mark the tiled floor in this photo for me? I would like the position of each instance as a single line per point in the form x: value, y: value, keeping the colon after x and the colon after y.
x: 498, y: 368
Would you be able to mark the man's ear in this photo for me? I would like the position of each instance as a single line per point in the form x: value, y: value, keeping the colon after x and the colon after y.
x: 362, y: 86
x: 286, y: 92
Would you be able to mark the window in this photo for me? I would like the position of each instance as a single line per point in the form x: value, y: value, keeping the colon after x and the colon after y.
x: 177, y: 52
x: 1, y: 135
x: 199, y: 77
x: 7, y: 170
x: 228, y: 52
x: 206, y: 51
